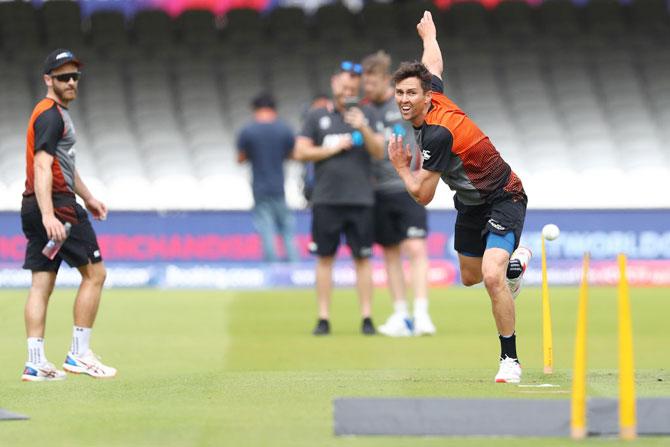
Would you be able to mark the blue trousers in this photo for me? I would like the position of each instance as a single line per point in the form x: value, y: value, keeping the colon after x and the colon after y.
x: 271, y: 216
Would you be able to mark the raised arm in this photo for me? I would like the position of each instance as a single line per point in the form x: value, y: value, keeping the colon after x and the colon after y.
x: 432, y: 56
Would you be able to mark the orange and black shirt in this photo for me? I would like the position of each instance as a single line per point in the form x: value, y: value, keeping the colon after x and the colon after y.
x: 452, y: 144
x: 51, y: 129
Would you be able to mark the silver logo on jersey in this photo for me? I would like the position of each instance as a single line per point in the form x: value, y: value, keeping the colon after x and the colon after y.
x: 325, y: 122
x: 425, y: 155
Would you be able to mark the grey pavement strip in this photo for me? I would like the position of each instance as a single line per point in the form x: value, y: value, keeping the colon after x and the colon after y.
x: 488, y: 417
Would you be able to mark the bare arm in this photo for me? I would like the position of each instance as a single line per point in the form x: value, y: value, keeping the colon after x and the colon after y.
x: 420, y: 184
x: 432, y: 56
x: 43, y: 183
x: 96, y: 207
x: 242, y: 156
x: 305, y: 150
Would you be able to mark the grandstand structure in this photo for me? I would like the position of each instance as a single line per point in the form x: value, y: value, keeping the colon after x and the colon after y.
x: 576, y: 98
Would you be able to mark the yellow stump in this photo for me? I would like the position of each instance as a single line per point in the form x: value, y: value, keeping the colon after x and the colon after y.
x: 547, y: 342
x: 627, y: 416
x: 578, y: 402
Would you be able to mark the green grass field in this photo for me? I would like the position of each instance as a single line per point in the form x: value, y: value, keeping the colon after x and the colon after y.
x: 206, y: 368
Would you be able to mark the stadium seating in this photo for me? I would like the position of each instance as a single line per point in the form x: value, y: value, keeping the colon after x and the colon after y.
x: 577, y: 98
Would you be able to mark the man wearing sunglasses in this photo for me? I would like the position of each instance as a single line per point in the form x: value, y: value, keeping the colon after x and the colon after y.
x: 49, y: 201
x: 341, y: 141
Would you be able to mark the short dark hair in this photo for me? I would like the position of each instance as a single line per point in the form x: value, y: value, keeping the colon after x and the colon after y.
x: 414, y: 70
x: 263, y: 100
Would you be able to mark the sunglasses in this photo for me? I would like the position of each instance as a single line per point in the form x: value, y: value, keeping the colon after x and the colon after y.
x: 351, y: 67
x: 65, y: 77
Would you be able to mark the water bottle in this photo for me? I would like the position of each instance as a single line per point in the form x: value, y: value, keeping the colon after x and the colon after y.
x: 50, y: 250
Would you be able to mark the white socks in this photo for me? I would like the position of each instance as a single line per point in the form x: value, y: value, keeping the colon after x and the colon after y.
x: 36, y: 353
x: 81, y: 338
x: 420, y: 306
x: 400, y: 308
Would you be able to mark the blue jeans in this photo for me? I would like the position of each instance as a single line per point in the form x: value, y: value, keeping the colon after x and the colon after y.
x: 272, y: 216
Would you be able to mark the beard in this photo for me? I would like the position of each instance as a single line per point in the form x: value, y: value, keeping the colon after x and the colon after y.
x: 66, y: 93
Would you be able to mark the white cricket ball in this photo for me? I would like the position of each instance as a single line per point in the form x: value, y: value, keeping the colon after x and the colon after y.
x: 550, y: 232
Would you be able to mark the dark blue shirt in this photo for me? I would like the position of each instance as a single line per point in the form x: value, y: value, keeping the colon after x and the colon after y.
x: 266, y: 145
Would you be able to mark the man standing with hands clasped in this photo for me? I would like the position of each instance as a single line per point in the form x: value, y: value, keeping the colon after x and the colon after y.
x: 49, y: 202
x: 490, y: 198
x: 340, y: 140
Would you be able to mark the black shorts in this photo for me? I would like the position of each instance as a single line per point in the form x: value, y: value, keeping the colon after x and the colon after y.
x: 398, y: 217
x: 329, y: 222
x: 474, y: 222
x: 80, y: 248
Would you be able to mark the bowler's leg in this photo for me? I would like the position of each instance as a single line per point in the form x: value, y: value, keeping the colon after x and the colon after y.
x: 494, y: 268
x: 471, y: 269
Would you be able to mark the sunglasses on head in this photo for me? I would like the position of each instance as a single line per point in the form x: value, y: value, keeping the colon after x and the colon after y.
x: 65, y: 77
x: 351, y: 67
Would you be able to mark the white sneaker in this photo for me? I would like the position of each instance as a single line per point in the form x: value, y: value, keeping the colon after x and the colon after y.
x: 523, y: 255
x: 396, y: 325
x: 509, y: 371
x: 423, y: 325
x: 88, y: 363
x: 44, y: 372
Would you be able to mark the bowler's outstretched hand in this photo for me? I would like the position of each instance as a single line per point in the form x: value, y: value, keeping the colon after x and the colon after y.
x: 426, y: 27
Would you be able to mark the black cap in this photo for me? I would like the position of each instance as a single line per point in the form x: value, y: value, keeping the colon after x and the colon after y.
x: 58, y: 58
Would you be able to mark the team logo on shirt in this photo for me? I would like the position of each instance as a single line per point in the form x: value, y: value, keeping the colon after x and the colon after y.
x: 425, y: 155
x: 333, y: 139
x: 325, y: 122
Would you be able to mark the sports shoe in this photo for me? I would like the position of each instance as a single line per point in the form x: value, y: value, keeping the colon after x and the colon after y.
x: 367, y: 328
x: 396, y: 325
x: 516, y: 268
x: 88, y: 363
x: 322, y: 327
x: 44, y: 372
x: 423, y: 325
x: 509, y: 371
